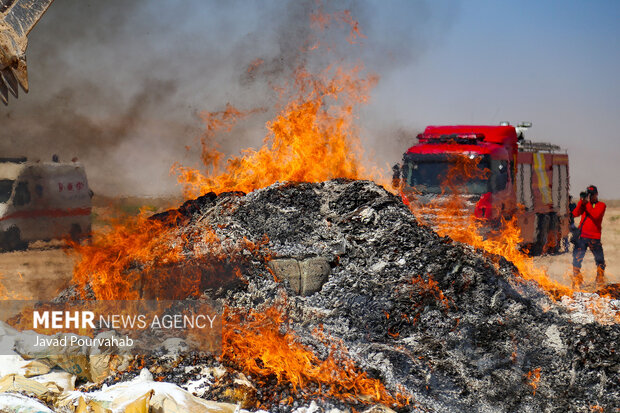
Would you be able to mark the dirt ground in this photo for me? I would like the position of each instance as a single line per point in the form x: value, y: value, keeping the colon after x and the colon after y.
x: 38, y: 273
x: 46, y: 268
x: 559, y: 267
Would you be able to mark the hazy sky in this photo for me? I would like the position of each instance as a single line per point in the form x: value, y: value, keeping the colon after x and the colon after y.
x: 120, y: 83
x: 554, y: 63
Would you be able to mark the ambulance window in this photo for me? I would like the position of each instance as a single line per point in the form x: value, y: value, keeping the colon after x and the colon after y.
x: 22, y: 194
x: 6, y: 189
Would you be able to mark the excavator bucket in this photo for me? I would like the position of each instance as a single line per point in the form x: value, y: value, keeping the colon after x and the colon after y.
x: 17, y: 18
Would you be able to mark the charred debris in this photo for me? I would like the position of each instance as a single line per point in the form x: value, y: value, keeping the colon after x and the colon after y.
x: 452, y: 327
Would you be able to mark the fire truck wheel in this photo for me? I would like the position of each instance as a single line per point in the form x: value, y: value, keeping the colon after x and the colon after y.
x: 13, y: 241
x: 542, y: 233
x: 554, y: 237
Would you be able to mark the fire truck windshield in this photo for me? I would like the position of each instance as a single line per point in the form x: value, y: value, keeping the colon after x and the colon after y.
x: 6, y: 188
x: 429, y: 177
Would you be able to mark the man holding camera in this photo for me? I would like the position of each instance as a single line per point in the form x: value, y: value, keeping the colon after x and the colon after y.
x: 591, y: 212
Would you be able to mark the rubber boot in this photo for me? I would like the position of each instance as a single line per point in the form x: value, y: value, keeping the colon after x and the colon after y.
x: 600, y: 277
x: 577, y: 278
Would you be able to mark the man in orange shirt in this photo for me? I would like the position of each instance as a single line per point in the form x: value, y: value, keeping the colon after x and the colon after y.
x: 591, y: 212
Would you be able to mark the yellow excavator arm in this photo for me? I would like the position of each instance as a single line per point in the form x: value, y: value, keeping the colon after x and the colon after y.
x: 17, y: 18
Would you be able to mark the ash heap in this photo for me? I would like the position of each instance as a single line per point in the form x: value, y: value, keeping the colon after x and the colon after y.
x: 452, y: 328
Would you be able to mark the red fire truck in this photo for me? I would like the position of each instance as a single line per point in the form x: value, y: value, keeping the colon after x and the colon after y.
x: 522, y: 179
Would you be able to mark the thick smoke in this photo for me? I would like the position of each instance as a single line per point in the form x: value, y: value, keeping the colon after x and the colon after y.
x: 120, y: 85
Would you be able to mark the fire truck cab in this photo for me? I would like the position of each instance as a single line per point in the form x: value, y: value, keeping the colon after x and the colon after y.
x: 512, y: 177
x: 42, y: 201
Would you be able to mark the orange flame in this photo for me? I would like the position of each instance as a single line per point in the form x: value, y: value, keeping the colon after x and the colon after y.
x: 534, y: 377
x: 257, y: 344
x: 121, y: 257
x: 312, y: 140
x: 254, y: 65
x: 313, y: 137
x: 321, y: 20
x: 6, y: 294
x: 454, y: 220
x: 142, y: 258
x: 431, y: 288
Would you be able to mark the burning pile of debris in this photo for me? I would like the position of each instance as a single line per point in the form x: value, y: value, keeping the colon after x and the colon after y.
x: 442, y: 324
x: 335, y: 297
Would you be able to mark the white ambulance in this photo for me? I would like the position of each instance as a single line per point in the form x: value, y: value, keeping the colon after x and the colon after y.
x: 42, y: 201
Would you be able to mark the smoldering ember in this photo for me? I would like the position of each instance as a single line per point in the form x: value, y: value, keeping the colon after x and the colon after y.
x: 344, y: 300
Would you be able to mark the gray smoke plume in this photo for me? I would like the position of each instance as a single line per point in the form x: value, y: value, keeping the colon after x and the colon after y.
x: 120, y: 85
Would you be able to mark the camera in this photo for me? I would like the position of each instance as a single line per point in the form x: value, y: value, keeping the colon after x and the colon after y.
x: 591, y: 190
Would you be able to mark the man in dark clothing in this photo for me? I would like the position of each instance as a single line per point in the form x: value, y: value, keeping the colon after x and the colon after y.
x: 571, y: 219
x: 591, y: 212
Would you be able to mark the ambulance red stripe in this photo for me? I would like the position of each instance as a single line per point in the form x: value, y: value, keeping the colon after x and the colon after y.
x: 56, y: 213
